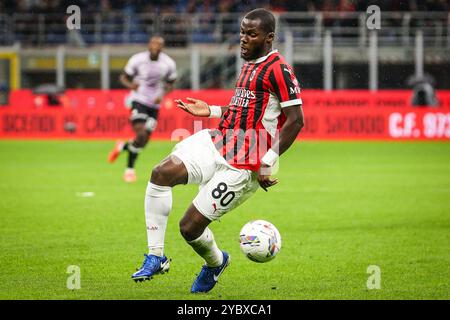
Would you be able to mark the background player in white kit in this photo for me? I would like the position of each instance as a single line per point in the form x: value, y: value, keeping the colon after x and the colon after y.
x: 150, y: 75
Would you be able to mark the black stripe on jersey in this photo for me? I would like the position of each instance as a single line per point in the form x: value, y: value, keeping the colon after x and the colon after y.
x: 217, y: 138
x: 252, y: 145
x: 258, y: 107
x: 237, y: 146
x: 244, y: 114
x: 247, y: 83
x: 229, y: 133
x: 288, y: 82
x: 221, y: 140
x: 224, y: 116
x: 235, y: 109
x: 243, y: 72
x: 259, y: 89
x: 238, y: 85
x: 275, y: 86
x: 233, y: 117
x: 243, y: 120
x: 273, y: 82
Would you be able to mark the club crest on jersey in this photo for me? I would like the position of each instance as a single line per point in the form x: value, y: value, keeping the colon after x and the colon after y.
x: 252, y: 75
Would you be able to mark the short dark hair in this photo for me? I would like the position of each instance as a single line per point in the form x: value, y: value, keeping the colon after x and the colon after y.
x: 266, y: 17
x: 155, y: 35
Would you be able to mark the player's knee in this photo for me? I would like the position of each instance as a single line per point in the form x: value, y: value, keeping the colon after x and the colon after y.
x: 138, y: 126
x: 142, y: 139
x: 158, y: 175
x: 186, y: 230
x: 161, y: 176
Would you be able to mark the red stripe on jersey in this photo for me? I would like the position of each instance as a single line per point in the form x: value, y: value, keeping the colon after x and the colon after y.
x: 280, y: 87
x: 244, y: 137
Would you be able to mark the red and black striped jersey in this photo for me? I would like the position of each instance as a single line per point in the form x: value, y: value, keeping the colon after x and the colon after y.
x: 254, y: 116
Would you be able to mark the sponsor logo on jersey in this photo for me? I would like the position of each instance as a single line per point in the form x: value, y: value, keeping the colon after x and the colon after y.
x: 244, y: 93
x: 242, y: 97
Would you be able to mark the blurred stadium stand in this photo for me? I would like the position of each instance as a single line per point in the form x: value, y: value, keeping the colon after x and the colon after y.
x: 204, y: 35
x: 182, y: 22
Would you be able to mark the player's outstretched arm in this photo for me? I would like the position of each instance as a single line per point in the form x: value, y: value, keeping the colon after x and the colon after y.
x: 200, y: 108
x: 168, y: 88
x: 291, y: 128
x: 127, y: 81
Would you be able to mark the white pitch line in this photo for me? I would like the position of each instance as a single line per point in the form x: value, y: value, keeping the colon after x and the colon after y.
x: 85, y: 194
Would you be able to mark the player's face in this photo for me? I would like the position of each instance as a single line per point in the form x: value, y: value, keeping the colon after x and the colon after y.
x: 155, y: 46
x: 254, y: 40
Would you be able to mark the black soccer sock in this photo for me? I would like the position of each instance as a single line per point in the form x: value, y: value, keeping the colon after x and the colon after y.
x: 133, y: 152
x: 132, y: 156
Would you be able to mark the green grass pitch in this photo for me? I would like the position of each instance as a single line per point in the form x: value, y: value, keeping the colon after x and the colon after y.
x: 340, y: 207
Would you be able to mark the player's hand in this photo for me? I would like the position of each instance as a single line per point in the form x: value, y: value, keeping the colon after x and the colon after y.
x: 264, y: 179
x: 134, y: 86
x: 196, y: 107
x: 158, y: 100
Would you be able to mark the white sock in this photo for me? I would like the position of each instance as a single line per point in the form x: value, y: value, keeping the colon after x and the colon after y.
x: 158, y: 203
x: 206, y: 247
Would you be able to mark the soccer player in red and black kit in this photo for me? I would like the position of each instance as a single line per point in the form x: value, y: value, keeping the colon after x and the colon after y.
x: 229, y: 163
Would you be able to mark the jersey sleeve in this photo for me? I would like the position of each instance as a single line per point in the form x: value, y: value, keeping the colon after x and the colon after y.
x: 172, y: 72
x: 284, y: 84
x: 130, y: 68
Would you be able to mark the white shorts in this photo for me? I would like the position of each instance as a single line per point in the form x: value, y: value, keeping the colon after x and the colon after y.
x: 222, y: 186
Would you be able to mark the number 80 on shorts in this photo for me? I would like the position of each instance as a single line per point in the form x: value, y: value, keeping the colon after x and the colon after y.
x: 221, y: 192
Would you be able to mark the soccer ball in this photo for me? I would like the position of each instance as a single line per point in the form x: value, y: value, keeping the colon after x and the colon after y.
x: 260, y: 241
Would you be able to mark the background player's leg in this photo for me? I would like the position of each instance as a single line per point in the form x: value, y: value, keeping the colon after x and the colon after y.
x: 158, y: 200
x: 194, y: 229
x: 135, y: 146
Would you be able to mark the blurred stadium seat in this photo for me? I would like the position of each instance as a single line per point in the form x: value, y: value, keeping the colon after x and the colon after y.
x: 212, y: 28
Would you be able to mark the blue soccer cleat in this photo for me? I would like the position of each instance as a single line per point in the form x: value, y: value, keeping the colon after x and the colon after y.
x: 151, y: 266
x: 208, y: 277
